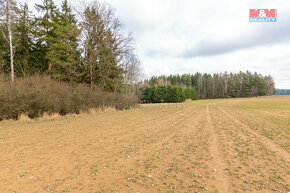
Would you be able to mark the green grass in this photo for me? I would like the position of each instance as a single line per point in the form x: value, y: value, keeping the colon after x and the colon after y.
x: 266, y: 105
x: 202, y: 101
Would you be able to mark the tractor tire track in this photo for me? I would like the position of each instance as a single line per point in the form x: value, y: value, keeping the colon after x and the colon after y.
x: 268, y: 143
x: 217, y: 161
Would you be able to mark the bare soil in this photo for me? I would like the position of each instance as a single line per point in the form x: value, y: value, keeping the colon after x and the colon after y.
x: 226, y: 145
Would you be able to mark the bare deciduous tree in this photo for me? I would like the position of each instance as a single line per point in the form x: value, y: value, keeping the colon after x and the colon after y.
x: 133, y: 73
x: 133, y: 70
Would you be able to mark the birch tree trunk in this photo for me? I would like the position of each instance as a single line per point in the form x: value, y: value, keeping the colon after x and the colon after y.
x: 10, y: 38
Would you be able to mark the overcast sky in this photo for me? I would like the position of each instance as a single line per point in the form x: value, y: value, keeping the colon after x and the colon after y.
x: 188, y: 36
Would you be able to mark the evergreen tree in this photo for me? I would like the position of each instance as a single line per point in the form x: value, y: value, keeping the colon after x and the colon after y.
x: 46, y: 32
x: 145, y: 94
x: 235, y: 86
x: 181, y: 94
x: 174, y: 94
x: 4, y: 66
x: 155, y: 97
x: 282, y: 92
x: 24, y: 65
x: 161, y: 93
x: 63, y: 53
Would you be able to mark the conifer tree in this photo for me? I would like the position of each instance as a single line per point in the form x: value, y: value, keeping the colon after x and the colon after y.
x: 63, y: 53
x: 24, y: 65
x: 46, y: 32
x: 161, y: 93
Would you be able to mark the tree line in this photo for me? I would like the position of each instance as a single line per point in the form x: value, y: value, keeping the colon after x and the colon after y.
x: 87, y: 46
x: 219, y: 85
x: 167, y: 93
x: 90, y: 46
x: 282, y: 92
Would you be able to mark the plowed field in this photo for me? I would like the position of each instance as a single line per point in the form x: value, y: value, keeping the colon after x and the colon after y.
x: 227, y: 145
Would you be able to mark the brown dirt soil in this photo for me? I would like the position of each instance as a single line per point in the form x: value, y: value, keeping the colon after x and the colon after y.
x: 227, y: 145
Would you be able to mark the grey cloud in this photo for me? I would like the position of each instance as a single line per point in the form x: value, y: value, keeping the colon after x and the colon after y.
x: 272, y: 34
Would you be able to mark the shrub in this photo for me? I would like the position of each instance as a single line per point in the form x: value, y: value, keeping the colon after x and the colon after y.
x: 191, y: 93
x: 162, y: 93
x: 34, y: 96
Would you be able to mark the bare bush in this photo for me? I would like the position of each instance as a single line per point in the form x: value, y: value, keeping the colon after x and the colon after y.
x: 36, y: 95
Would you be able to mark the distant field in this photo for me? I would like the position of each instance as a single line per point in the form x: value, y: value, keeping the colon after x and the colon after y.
x: 226, y: 145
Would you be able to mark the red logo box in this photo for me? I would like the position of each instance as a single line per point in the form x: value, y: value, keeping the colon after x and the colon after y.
x: 263, y: 13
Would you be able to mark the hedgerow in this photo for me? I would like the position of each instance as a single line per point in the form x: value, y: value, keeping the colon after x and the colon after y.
x: 36, y: 95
